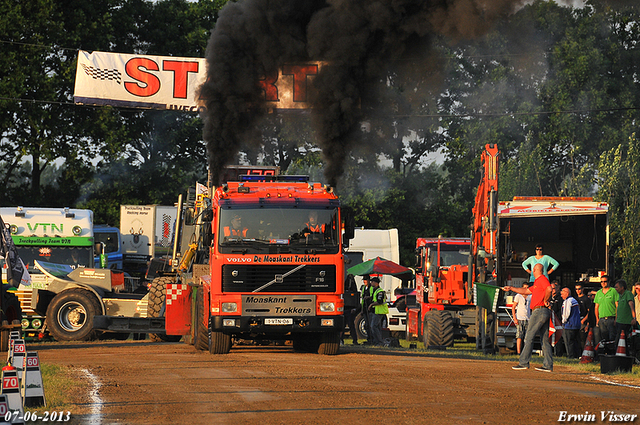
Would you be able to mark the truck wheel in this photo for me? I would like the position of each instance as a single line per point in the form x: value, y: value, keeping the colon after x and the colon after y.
x: 425, y: 331
x: 219, y: 343
x: 329, y: 343
x: 361, y: 328
x: 201, y: 332
x: 70, y: 315
x: 156, y: 307
x: 12, y: 311
x: 438, y: 329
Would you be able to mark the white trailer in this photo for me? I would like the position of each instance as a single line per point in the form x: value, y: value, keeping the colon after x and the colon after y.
x: 366, y: 245
x: 574, y: 231
x: 147, y: 232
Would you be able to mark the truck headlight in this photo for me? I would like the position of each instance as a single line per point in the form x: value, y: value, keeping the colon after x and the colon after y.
x: 327, y: 307
x: 229, y: 307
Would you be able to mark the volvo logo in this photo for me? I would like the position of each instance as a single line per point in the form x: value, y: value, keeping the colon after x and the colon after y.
x: 235, y: 273
x: 323, y: 273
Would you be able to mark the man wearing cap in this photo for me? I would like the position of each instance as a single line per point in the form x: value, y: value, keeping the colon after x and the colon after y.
x: 539, y: 320
x: 367, y: 296
x: 380, y: 310
x: 236, y: 229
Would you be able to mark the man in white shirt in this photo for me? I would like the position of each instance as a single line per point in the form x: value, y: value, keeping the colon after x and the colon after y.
x: 521, y: 313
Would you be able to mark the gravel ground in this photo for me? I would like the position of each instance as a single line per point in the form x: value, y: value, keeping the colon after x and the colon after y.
x: 149, y: 383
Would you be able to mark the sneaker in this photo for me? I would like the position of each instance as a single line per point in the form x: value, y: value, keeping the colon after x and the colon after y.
x: 520, y: 367
x: 544, y: 369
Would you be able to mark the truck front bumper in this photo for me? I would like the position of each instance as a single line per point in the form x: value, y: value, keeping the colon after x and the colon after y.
x: 261, y: 324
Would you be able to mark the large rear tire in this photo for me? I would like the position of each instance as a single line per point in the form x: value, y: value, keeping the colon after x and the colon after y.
x: 156, y: 307
x: 201, y: 331
x: 438, y: 329
x: 70, y: 315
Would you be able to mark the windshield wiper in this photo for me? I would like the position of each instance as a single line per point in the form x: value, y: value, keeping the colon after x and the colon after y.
x: 278, y: 277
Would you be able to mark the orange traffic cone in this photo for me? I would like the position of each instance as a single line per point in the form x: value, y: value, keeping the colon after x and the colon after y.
x: 588, y: 354
x: 622, y: 345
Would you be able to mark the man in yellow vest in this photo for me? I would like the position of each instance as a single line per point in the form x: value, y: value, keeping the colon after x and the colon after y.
x: 380, y: 311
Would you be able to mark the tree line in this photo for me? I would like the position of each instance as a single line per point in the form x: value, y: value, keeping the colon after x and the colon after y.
x: 555, y: 87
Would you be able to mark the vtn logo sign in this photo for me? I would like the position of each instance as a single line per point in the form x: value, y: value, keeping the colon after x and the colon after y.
x: 43, y: 226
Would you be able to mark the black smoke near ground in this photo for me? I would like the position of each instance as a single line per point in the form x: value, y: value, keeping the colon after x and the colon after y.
x: 358, y: 38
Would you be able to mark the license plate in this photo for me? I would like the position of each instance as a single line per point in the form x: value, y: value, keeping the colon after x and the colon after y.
x: 278, y: 321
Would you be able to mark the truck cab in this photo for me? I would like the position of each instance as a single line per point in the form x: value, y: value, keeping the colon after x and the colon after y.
x: 110, y: 242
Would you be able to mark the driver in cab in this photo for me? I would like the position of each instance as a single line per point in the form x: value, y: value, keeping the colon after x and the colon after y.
x: 312, y: 226
x: 235, y: 228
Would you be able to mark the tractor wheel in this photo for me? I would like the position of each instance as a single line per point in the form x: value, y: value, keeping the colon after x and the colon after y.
x: 70, y: 315
x: 361, y: 328
x: 219, y: 343
x: 201, y: 331
x: 156, y: 307
x: 442, y: 328
x: 329, y: 343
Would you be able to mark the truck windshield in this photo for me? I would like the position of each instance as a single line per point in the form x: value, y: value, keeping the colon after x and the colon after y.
x: 451, y: 255
x: 278, y: 229
x: 74, y: 256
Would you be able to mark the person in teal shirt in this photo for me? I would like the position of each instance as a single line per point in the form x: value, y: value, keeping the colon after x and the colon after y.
x: 540, y: 258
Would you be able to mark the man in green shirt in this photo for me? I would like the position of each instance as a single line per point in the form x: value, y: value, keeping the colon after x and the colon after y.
x: 626, y: 314
x: 606, y: 302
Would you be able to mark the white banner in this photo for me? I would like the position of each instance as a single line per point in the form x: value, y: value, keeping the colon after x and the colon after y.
x: 138, y: 81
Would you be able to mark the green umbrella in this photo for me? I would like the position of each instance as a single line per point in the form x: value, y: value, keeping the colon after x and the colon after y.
x: 380, y: 265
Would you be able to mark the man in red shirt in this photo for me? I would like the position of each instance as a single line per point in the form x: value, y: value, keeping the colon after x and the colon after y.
x: 539, y: 321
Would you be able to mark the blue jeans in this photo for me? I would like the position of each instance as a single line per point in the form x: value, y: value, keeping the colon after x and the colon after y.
x: 538, y: 324
x: 376, y: 328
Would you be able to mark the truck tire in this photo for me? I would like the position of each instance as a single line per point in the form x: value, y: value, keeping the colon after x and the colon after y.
x: 219, y: 343
x: 11, y: 312
x: 201, y: 332
x: 157, y: 298
x: 438, y: 329
x: 443, y: 328
x: 70, y: 315
x: 329, y: 343
x: 361, y: 328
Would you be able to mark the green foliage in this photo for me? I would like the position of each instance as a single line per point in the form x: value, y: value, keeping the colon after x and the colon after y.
x: 619, y: 177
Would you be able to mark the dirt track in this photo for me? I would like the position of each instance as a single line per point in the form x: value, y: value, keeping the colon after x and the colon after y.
x: 148, y: 383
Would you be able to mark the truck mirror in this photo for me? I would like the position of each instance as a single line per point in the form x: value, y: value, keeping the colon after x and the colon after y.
x: 349, y: 225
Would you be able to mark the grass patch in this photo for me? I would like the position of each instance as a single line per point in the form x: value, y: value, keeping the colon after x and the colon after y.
x: 61, y: 384
x: 464, y: 350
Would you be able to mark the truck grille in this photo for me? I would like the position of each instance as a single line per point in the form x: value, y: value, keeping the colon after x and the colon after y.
x: 310, y: 278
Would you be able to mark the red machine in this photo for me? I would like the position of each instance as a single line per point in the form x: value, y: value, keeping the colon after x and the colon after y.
x: 276, y: 268
x: 444, y: 308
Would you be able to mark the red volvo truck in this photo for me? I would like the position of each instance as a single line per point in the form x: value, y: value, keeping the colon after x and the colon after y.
x: 275, y: 269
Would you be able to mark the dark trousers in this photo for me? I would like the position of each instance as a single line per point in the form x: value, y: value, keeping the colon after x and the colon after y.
x: 627, y: 335
x: 349, y: 320
x: 572, y: 342
x: 607, y: 329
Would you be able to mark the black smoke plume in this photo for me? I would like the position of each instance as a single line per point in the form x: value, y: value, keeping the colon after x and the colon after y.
x: 358, y: 38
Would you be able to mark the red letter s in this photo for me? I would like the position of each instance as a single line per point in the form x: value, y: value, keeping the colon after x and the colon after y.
x: 148, y: 84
